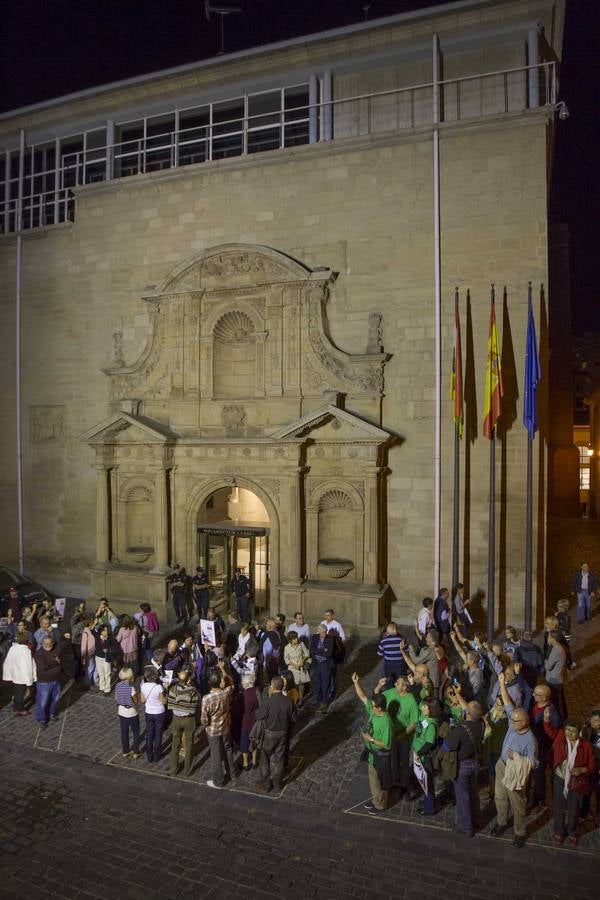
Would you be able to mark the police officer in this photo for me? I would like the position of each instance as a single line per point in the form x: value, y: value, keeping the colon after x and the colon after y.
x: 240, y: 588
x: 200, y: 591
x: 177, y: 583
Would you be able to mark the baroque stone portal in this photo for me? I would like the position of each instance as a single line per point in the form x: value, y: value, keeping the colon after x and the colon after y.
x: 240, y: 385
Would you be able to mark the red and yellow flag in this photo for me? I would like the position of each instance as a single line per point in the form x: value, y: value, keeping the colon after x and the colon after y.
x: 456, y: 381
x: 494, y: 390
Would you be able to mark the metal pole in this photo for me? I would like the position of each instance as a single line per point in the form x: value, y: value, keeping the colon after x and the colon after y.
x: 438, y: 327
x: 491, y: 539
x: 529, y: 537
x: 456, y: 507
x: 19, y: 268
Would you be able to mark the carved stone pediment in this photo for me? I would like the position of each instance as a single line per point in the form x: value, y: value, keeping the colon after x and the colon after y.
x: 193, y: 351
x: 331, y: 423
x: 123, y: 428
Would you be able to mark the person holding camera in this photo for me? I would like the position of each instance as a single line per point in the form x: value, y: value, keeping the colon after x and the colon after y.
x: 182, y: 700
x: 377, y: 738
x: 216, y: 718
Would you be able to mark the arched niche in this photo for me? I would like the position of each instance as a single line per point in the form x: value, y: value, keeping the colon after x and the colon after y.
x: 335, y: 532
x: 136, y: 521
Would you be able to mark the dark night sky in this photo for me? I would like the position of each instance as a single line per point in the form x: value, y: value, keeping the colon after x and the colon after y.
x: 53, y: 47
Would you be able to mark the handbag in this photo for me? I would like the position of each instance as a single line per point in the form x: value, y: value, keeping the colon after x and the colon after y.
x: 257, y: 735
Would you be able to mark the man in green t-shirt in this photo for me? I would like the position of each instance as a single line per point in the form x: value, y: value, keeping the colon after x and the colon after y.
x: 404, y: 713
x: 379, y: 736
x: 424, y: 741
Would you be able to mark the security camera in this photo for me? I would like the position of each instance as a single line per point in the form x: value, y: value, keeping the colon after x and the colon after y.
x: 562, y: 109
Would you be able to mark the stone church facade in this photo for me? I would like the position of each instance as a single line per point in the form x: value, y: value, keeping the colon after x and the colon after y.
x: 254, y: 323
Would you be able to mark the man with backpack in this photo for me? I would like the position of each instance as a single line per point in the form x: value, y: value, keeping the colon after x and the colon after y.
x: 466, y: 741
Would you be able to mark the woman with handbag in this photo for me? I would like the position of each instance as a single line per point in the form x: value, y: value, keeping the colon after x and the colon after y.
x: 296, y: 658
x: 572, y: 764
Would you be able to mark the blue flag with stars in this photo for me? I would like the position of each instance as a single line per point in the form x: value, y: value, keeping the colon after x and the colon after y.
x: 532, y: 376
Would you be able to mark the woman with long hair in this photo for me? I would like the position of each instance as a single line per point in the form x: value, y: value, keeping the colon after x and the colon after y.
x: 128, y: 637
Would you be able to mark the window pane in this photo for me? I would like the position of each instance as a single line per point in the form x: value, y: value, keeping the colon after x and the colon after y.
x: 264, y: 109
x: 296, y: 103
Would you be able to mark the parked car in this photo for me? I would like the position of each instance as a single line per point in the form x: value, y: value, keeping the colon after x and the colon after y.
x: 28, y: 590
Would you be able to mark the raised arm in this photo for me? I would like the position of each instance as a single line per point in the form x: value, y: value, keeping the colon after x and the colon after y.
x: 457, y: 645
x: 359, y: 691
x: 407, y: 657
x: 506, y: 698
x: 380, y: 685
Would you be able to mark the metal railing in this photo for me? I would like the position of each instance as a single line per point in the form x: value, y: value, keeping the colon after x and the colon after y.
x: 465, y: 97
x: 38, y: 211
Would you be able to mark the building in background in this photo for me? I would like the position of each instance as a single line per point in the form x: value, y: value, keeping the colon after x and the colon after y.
x: 586, y: 421
x: 237, y: 297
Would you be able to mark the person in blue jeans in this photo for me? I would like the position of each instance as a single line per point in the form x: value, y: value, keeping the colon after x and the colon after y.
x: 154, y: 699
x: 466, y: 740
x: 585, y: 585
x: 48, y: 665
x: 126, y: 698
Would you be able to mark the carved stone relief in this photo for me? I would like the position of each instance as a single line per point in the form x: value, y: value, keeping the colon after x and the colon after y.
x: 47, y: 424
x: 233, y: 417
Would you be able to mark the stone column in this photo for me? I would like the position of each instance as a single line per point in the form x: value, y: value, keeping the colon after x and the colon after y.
x: 371, y: 529
x: 161, y: 522
x: 295, y: 529
x: 102, y: 516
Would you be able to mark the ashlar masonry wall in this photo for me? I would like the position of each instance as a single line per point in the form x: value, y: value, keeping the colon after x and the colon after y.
x: 366, y: 212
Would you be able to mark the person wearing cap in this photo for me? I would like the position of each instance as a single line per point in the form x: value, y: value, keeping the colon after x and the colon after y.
x: 321, y: 652
x: 200, y: 591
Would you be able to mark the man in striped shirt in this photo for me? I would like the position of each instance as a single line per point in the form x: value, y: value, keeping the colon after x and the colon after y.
x: 182, y: 699
x: 390, y: 650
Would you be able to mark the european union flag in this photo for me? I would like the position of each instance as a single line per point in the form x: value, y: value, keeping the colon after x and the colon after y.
x: 532, y: 375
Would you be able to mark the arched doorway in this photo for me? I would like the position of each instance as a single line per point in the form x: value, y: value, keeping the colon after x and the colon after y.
x: 233, y: 532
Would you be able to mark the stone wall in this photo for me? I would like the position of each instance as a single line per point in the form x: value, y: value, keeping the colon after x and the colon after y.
x: 367, y: 214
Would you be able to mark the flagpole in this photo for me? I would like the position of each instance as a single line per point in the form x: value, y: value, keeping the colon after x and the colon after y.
x: 529, y: 516
x: 456, y: 505
x: 492, y: 539
x: 456, y: 509
x: 491, y: 516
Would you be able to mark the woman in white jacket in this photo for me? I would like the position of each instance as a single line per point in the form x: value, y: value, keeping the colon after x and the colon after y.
x: 19, y: 667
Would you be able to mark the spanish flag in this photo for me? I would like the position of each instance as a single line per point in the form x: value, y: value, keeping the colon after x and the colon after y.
x: 494, y: 390
x: 456, y: 381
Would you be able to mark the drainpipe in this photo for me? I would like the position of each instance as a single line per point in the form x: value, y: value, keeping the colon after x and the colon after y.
x: 438, y: 321
x: 313, y: 110
x: 533, y: 58
x: 19, y: 229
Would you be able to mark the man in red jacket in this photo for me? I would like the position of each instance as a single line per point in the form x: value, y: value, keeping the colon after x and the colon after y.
x: 47, y: 661
x: 572, y: 764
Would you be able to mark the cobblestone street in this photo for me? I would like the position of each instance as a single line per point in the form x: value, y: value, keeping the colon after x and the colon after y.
x: 80, y: 793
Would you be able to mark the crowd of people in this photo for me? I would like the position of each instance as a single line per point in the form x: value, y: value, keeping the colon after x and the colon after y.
x: 245, y: 688
x: 451, y: 711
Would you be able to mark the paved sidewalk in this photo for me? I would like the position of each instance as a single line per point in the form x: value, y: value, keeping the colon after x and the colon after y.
x: 75, y: 831
x: 325, y: 751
